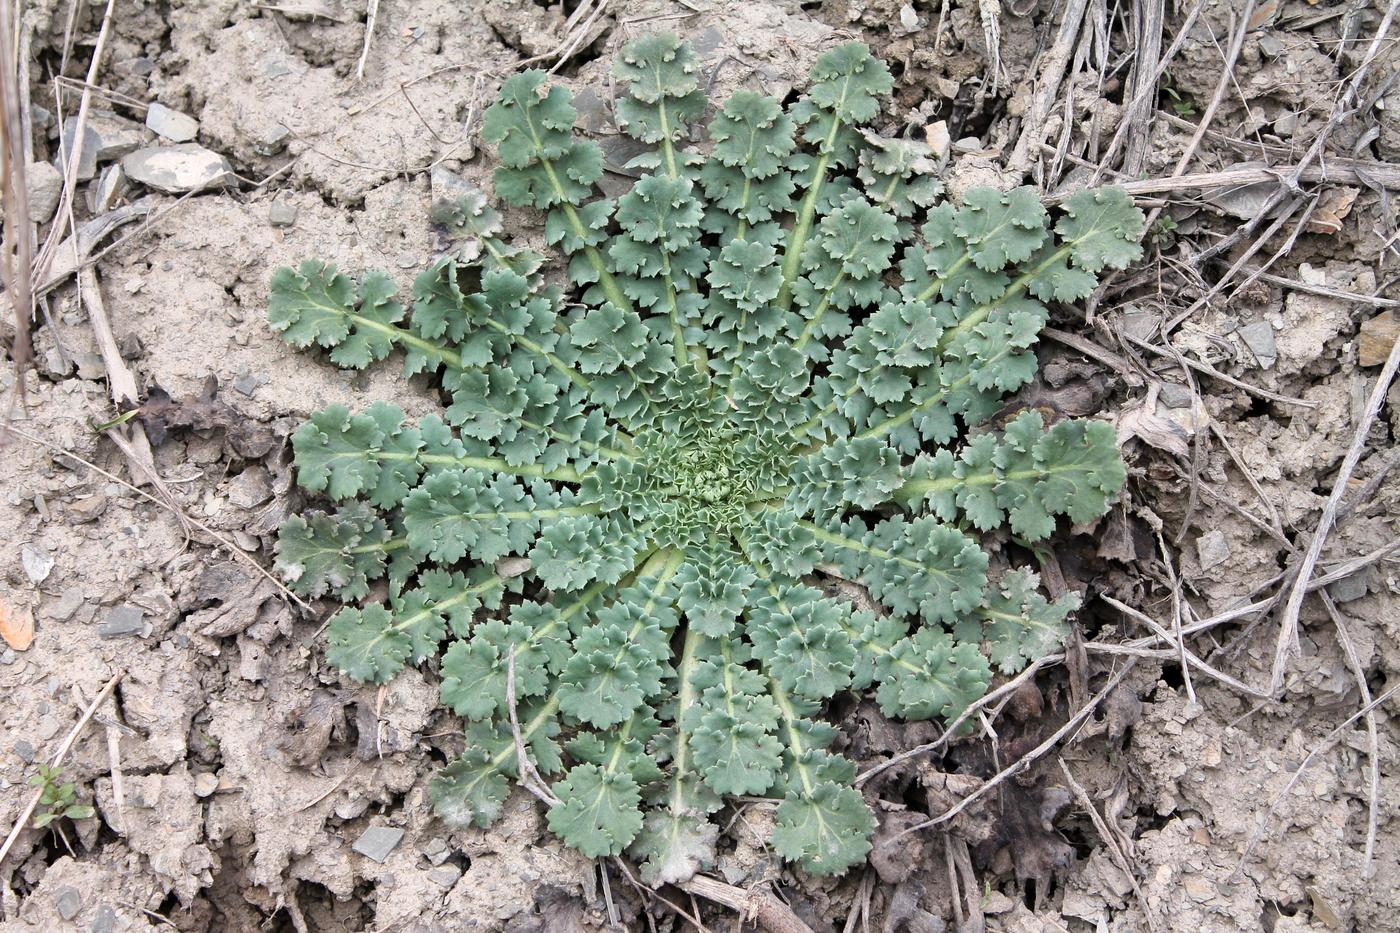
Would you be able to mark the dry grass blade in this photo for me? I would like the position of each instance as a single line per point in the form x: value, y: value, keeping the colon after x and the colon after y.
x: 17, y: 261
x: 371, y: 17
x: 1288, y: 620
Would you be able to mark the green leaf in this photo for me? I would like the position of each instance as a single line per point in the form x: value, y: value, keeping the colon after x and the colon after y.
x: 825, y: 828
x: 470, y: 791
x: 598, y: 811
x: 929, y: 674
x: 1104, y: 229
x: 336, y: 552
x: 674, y: 846
x: 366, y: 645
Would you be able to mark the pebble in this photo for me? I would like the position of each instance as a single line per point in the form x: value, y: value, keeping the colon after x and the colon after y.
x: 90, y: 366
x: 123, y: 620
x: 115, y: 136
x: 205, y: 784
x: 130, y: 346
x: 1286, y: 124
x: 1213, y: 548
x: 968, y: 144
x: 1348, y: 589
x: 250, y: 489
x: 142, y: 66
x: 86, y: 510
x: 282, y: 214
x: 1198, y: 888
x: 65, y: 607
x: 177, y: 169
x: 1259, y: 337
x: 104, y: 920
x: 171, y: 124
x: 272, y: 142
x: 87, y: 159
x: 445, y: 875
x: 1175, y: 396
x: 109, y: 187
x: 45, y: 184
x: 245, y: 383
x: 377, y: 842
x: 37, y: 562
x: 56, y: 364
x: 69, y: 902
x: 25, y: 750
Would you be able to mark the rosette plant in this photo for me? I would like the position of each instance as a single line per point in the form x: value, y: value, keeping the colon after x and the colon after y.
x: 771, y: 363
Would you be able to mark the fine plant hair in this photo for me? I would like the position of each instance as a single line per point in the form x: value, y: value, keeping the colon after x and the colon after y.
x: 775, y: 368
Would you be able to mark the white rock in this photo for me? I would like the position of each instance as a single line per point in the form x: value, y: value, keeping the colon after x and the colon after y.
x: 177, y: 169
x: 171, y: 124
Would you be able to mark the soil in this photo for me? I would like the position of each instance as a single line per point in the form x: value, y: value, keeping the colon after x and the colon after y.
x: 233, y: 771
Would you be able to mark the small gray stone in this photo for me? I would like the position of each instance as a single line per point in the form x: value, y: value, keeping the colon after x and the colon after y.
x: 87, y: 159
x: 37, y: 562
x: 177, y: 169
x: 104, y: 920
x: 1286, y: 124
x: 69, y: 902
x: 249, y: 489
x: 41, y: 118
x: 968, y: 144
x: 273, y: 141
x: 90, y: 366
x: 245, y: 383
x: 171, y: 124
x: 142, y: 66
x: 282, y: 214
x: 1270, y: 45
x: 205, y: 784
x: 445, y: 875
x: 123, y: 620
x: 103, y: 195
x: 1140, y: 324
x: 116, y: 136
x: 8, y: 657
x: 436, y: 851
x: 1349, y: 588
x: 24, y: 750
x: 1175, y: 396
x: 65, y: 607
x: 85, y: 510
x: 1213, y: 549
x: 45, y: 185
x: 56, y: 364
x: 130, y: 346
x: 377, y: 842
x: 1259, y: 337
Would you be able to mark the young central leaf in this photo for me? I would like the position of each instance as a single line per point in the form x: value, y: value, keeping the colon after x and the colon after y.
x: 772, y: 369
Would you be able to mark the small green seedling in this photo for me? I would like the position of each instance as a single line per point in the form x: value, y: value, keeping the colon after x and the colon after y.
x: 57, y: 800
x: 765, y: 380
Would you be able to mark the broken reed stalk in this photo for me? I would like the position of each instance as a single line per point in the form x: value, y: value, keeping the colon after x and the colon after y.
x: 27, y: 813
